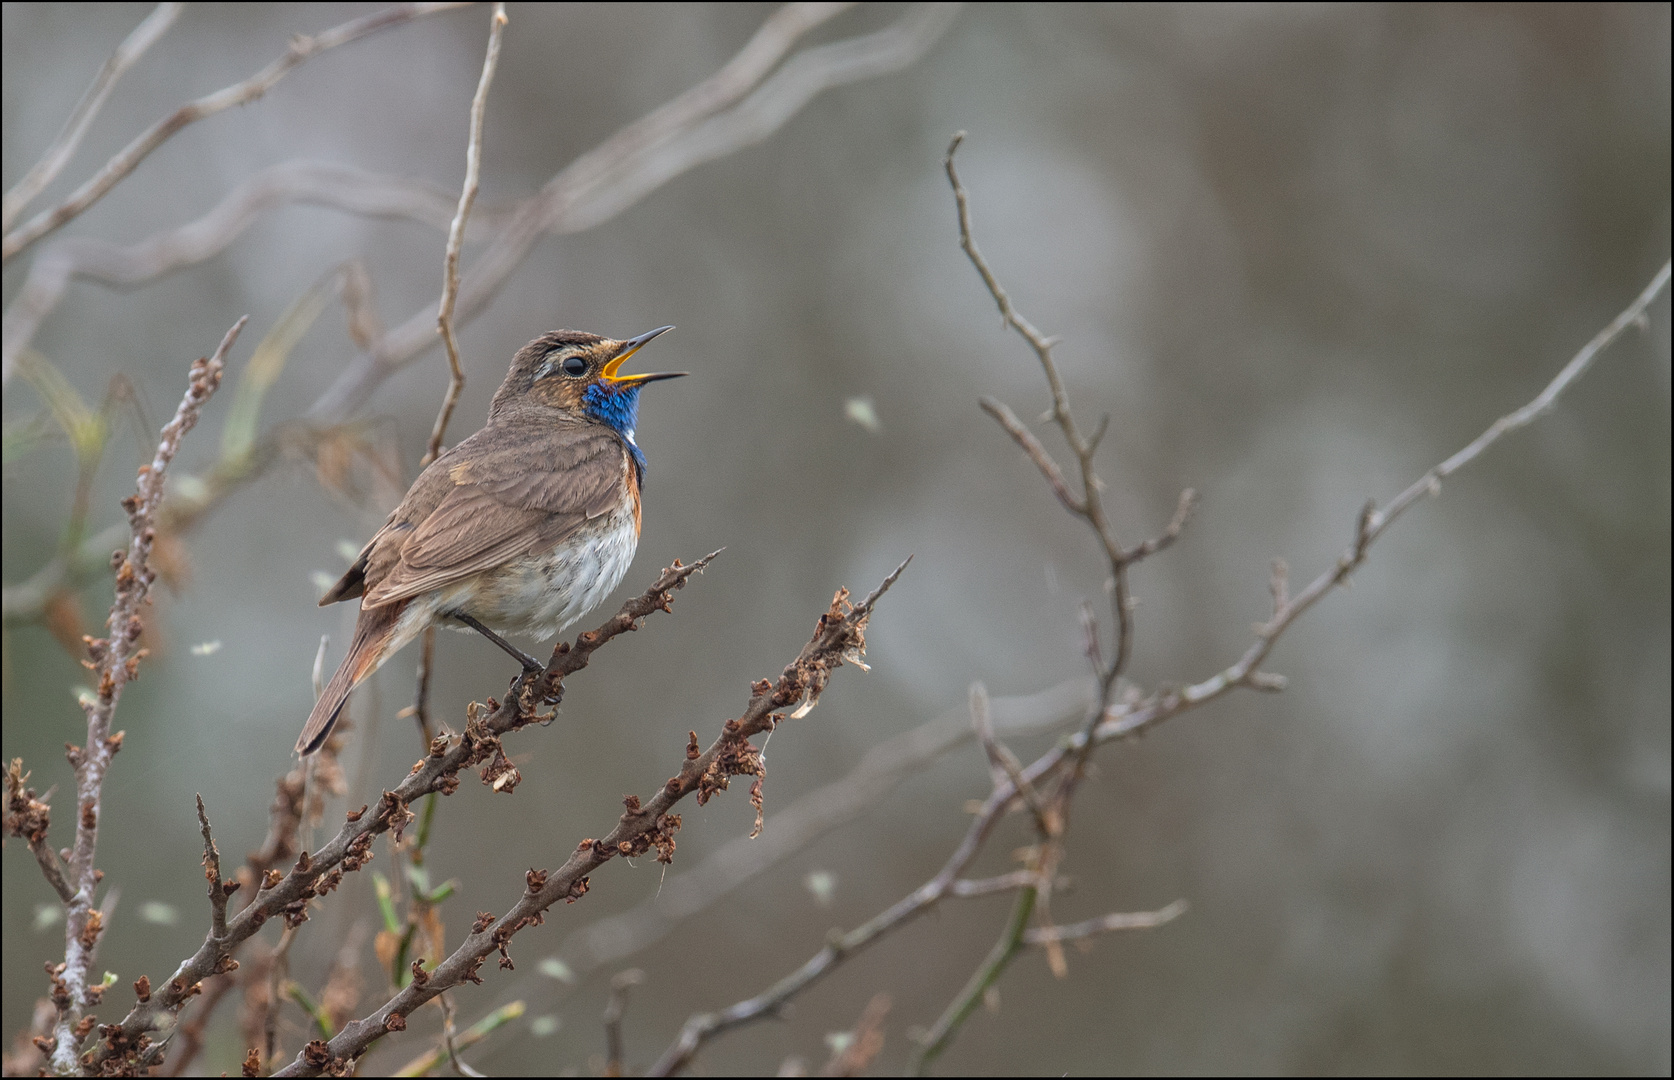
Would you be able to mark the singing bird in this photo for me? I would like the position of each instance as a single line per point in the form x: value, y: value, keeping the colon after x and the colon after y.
x: 522, y: 528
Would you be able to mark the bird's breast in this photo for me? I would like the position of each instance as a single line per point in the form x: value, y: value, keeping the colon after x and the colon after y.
x: 542, y: 593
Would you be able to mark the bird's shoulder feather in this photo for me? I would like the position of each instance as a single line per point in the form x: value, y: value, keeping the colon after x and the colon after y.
x: 512, y: 489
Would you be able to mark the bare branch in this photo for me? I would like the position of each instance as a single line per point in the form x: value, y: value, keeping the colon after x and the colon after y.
x: 1002, y: 763
x: 1009, y: 315
x: 1017, y: 879
x: 1112, y: 721
x: 301, y: 49
x: 116, y: 659
x: 58, y: 155
x: 1177, y: 524
x: 1089, y: 505
x: 456, y: 237
x: 1105, y: 924
x: 1037, y: 453
x: 999, y: 957
x: 571, y: 202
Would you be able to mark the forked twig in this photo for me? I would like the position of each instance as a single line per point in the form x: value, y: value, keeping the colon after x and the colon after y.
x: 116, y: 660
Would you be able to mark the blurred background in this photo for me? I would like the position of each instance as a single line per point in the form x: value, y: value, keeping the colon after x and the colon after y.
x: 1298, y: 254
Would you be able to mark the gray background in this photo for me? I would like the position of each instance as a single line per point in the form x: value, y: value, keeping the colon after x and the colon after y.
x: 1298, y: 254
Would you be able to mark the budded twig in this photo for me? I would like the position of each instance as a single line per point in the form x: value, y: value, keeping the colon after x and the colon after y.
x: 116, y: 660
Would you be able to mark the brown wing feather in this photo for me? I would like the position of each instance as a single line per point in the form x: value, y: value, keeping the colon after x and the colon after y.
x: 519, y: 490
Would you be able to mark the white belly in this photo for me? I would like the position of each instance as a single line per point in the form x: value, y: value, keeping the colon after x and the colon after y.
x: 538, y: 595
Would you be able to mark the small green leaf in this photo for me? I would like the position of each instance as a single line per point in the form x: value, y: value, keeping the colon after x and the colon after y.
x: 386, y: 903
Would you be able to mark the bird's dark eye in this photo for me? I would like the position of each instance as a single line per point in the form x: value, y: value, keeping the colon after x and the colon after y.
x: 574, y: 366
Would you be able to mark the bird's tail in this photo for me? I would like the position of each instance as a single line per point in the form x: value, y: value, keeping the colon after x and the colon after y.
x: 372, y: 645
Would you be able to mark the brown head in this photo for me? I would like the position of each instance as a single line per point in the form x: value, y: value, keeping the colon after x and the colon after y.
x: 580, y: 374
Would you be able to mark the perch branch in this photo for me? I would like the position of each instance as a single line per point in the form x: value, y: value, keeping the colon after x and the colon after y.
x: 839, y: 637
x: 287, y: 895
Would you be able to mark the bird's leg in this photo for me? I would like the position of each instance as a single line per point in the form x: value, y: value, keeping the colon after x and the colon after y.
x: 530, y: 664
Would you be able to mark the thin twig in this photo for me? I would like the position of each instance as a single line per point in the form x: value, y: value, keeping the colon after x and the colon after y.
x: 29, y: 817
x: 1017, y: 879
x: 218, y: 889
x: 143, y: 36
x: 449, y: 1039
x: 1051, y: 818
x: 1105, y: 924
x: 116, y: 659
x: 938, y: 1037
x: 456, y: 237
x: 1002, y: 763
x: 615, y: 1008
x: 301, y: 49
x: 421, y: 693
x: 1037, y: 453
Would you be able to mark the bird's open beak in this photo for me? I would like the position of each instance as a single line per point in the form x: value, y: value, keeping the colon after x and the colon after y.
x: 629, y: 347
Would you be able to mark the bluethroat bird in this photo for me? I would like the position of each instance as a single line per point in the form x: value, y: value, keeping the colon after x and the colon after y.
x: 522, y: 528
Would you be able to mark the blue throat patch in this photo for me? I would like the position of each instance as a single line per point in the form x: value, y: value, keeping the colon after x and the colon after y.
x: 620, y: 410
